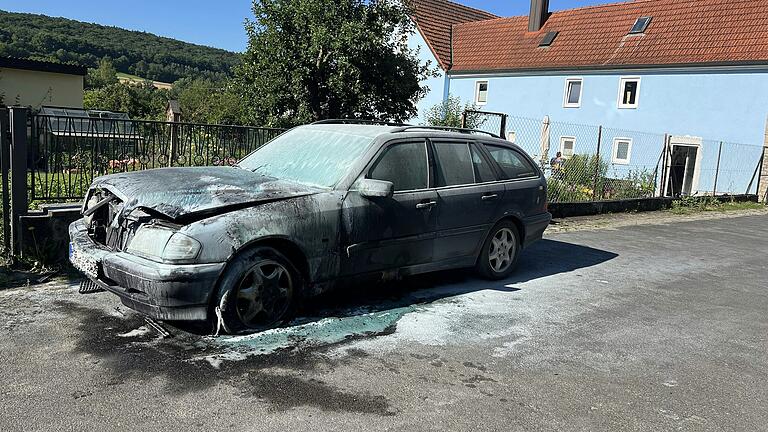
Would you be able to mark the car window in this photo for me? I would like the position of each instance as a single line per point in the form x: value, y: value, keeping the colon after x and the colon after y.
x: 513, y: 164
x: 454, y: 164
x: 483, y: 171
x: 405, y: 165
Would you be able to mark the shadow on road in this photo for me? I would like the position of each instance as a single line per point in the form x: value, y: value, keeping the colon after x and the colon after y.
x: 543, y: 259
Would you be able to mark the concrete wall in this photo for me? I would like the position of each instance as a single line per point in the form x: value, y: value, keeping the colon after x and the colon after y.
x: 32, y: 88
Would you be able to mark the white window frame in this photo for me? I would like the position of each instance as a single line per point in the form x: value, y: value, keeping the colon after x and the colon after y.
x: 477, y: 92
x: 563, y: 139
x: 620, y: 99
x: 615, y: 154
x: 568, y: 82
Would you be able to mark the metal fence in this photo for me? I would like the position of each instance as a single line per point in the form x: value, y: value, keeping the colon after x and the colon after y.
x: 599, y: 163
x: 50, y: 158
x: 66, y: 153
x: 493, y: 122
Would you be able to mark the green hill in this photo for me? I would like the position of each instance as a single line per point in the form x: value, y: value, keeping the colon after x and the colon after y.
x: 138, y: 53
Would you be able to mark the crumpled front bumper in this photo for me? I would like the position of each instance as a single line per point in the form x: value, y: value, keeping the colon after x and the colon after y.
x: 161, y: 291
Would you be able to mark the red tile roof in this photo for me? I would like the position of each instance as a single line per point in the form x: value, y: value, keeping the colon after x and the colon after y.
x: 434, y: 19
x: 682, y: 32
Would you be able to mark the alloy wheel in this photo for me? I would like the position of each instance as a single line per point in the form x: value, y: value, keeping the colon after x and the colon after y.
x: 264, y: 294
x: 502, y: 250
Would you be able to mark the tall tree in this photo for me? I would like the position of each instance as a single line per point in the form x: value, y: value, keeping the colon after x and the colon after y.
x: 450, y: 112
x: 315, y: 59
x: 104, y: 75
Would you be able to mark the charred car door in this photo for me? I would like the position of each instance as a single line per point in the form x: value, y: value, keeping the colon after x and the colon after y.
x: 385, y: 233
x: 468, y: 198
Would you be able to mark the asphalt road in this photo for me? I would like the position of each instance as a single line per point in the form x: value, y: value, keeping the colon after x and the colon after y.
x: 656, y: 327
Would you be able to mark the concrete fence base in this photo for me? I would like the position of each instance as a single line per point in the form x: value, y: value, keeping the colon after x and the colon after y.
x: 565, y: 210
x: 44, y: 233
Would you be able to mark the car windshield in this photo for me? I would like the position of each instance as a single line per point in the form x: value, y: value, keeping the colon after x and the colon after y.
x: 318, y: 155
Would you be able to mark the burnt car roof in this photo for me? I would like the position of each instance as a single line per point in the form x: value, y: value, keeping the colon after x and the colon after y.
x: 389, y: 131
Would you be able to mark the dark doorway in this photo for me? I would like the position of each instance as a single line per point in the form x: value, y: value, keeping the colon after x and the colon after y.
x: 682, y: 168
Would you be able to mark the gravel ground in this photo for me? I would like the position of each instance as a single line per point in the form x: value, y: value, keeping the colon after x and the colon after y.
x: 606, y: 326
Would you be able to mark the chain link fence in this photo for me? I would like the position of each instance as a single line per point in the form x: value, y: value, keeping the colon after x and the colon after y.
x: 586, y: 163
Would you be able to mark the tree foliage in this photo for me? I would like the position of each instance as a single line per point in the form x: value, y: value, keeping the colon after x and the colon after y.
x: 139, y: 53
x: 139, y: 101
x: 201, y: 100
x: 102, y: 76
x: 207, y: 101
x: 450, y: 111
x: 314, y: 59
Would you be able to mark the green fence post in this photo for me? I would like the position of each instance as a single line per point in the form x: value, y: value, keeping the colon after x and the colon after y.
x: 595, y: 195
x: 717, y: 168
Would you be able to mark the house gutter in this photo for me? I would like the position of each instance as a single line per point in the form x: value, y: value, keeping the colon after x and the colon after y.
x: 714, y: 67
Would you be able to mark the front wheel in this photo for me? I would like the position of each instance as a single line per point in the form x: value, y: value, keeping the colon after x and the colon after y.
x: 258, y: 292
x: 500, y: 252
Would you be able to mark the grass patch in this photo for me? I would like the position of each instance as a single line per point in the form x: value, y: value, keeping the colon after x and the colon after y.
x: 690, y: 205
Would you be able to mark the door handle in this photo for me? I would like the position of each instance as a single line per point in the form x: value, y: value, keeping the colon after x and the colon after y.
x: 426, y: 205
x: 489, y: 197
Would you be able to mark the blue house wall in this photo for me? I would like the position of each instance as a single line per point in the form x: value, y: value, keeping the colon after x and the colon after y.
x: 437, y: 85
x: 714, y: 105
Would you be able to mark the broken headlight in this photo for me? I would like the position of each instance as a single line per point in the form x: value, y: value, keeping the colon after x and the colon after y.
x: 163, y: 244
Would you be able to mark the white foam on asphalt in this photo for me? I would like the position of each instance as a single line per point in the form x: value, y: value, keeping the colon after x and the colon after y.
x: 141, y: 331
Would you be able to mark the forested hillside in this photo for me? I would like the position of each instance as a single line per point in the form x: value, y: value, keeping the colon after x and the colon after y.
x: 138, y: 53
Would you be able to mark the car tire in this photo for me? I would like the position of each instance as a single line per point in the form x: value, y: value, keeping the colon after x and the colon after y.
x: 500, y: 252
x: 259, y: 291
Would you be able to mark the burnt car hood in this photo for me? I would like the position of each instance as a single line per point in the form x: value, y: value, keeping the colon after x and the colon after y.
x: 184, y: 192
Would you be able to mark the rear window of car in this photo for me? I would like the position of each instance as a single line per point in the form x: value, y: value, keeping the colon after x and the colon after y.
x: 513, y: 164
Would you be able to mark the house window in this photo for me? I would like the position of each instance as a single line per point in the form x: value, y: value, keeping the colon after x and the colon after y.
x: 572, y: 97
x: 481, y: 92
x: 629, y: 92
x: 622, y: 150
x: 567, y: 146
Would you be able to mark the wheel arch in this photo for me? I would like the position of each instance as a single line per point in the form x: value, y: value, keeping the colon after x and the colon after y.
x: 285, y: 246
x: 516, y: 220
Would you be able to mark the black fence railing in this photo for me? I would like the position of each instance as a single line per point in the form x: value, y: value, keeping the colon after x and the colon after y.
x: 65, y: 153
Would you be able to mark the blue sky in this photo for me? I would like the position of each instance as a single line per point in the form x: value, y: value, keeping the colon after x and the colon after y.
x: 214, y: 23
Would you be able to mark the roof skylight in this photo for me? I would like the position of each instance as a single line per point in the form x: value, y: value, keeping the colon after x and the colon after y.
x: 641, y: 24
x: 548, y: 39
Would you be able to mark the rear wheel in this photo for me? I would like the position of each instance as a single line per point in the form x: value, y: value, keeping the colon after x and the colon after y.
x: 258, y: 292
x: 500, y: 252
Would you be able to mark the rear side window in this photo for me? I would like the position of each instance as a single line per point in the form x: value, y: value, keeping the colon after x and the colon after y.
x: 513, y: 164
x: 454, y: 164
x: 405, y: 165
x: 483, y: 171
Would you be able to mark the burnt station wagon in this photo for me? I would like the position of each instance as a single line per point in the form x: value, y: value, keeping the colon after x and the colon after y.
x: 319, y: 205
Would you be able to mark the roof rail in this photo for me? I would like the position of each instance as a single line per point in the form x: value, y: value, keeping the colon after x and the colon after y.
x: 448, y: 129
x: 357, y: 121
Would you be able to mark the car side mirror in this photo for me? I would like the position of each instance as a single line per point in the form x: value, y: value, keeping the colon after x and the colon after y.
x: 370, y: 188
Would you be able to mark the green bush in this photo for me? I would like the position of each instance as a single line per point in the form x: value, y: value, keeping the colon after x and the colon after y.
x: 585, y: 178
